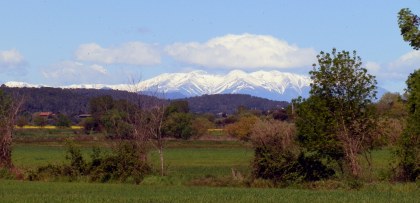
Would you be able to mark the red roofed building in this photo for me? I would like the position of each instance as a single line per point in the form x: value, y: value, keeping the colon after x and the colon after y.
x: 45, y: 114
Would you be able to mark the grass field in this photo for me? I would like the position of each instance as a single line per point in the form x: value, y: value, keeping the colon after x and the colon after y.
x: 16, y: 191
x: 186, y: 161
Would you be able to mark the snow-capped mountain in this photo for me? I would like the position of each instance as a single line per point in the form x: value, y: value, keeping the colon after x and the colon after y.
x: 273, y: 85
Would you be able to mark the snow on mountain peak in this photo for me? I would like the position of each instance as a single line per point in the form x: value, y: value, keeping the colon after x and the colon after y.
x: 20, y: 84
x: 273, y: 85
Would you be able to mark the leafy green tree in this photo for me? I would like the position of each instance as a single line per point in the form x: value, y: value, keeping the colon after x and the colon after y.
x: 391, y: 105
x: 114, y: 117
x: 98, y: 106
x: 178, y: 125
x: 200, y: 126
x: 409, y: 26
x: 115, y: 123
x: 177, y: 107
x: 337, y: 122
x: 62, y: 120
x: 409, y: 149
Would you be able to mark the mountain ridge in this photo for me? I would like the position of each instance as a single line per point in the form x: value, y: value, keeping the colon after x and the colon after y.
x: 274, y: 85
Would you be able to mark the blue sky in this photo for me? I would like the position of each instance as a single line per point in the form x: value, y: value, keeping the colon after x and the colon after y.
x: 71, y: 42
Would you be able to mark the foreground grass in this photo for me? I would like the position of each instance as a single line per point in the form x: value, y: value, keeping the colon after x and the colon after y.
x: 17, y: 191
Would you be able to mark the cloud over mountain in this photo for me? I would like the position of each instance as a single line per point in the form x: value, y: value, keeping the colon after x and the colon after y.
x: 133, y: 53
x: 244, y: 51
x: 68, y: 72
x: 395, y: 72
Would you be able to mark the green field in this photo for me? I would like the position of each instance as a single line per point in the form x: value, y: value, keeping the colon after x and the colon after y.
x: 17, y: 191
x: 187, y: 162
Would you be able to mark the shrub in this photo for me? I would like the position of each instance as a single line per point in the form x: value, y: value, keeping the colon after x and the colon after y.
x: 279, y: 159
x: 200, y: 126
x: 389, y: 132
x: 123, y: 165
x: 242, y: 129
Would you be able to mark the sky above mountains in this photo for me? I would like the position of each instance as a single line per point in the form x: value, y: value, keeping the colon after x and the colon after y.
x: 72, y: 42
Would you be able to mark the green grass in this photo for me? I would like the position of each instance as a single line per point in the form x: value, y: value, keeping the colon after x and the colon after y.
x: 17, y: 191
x: 188, y: 163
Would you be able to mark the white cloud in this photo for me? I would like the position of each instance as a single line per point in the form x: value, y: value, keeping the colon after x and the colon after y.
x: 393, y: 75
x: 133, y: 53
x: 410, y: 61
x: 68, y: 72
x: 243, y: 51
x: 373, y: 67
x: 11, y: 61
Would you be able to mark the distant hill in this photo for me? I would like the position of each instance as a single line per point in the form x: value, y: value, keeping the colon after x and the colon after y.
x: 76, y: 101
x: 68, y: 101
x: 228, y: 103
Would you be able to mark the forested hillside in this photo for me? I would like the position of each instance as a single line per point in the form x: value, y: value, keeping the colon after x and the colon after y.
x: 68, y: 101
x: 76, y: 101
x: 228, y: 103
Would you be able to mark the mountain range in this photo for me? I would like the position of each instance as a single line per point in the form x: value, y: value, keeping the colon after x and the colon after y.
x: 273, y: 85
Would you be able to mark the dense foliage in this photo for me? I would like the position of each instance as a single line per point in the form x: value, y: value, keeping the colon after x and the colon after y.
x: 409, y: 147
x: 278, y: 157
x: 228, y: 103
x: 409, y: 26
x: 337, y: 122
x: 121, y: 165
x: 70, y: 102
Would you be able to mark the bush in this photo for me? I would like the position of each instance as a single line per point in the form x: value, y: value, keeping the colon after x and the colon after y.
x: 122, y: 165
x: 389, y: 132
x: 242, y: 129
x: 200, y: 126
x: 279, y: 159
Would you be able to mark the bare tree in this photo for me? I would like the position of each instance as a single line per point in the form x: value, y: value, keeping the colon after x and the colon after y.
x: 9, y: 108
x: 152, y: 127
x: 147, y: 122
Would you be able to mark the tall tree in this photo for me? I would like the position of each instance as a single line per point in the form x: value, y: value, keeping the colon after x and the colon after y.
x: 409, y: 26
x: 9, y: 108
x: 337, y: 121
x: 409, y: 149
